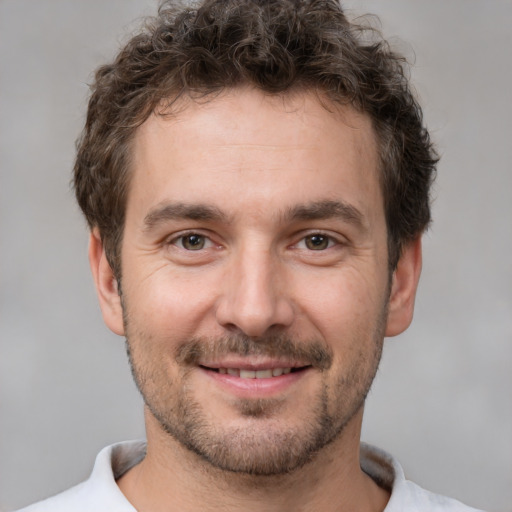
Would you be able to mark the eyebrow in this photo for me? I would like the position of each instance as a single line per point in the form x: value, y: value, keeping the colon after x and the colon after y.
x: 326, y: 210
x: 317, y: 210
x: 175, y: 211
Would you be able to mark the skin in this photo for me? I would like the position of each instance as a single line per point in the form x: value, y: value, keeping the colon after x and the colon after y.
x: 231, y: 233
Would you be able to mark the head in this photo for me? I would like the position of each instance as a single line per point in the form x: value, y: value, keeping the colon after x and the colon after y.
x: 256, y: 176
x: 276, y: 47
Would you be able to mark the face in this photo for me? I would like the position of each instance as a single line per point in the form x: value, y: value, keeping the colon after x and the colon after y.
x: 255, y: 287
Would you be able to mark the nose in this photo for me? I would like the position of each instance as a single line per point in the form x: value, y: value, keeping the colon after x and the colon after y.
x: 254, y: 297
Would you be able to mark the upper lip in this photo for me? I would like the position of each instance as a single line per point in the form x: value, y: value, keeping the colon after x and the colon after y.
x: 253, y: 363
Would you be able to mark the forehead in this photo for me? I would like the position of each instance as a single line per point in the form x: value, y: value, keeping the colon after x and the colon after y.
x: 250, y: 146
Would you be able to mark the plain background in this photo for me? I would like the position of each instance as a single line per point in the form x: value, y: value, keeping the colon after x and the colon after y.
x: 442, y: 400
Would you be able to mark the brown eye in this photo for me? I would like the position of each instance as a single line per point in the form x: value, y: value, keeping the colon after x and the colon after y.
x: 193, y: 242
x: 317, y: 242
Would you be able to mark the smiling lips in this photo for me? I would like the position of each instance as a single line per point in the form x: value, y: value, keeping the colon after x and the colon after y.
x: 254, y: 373
x: 255, y: 379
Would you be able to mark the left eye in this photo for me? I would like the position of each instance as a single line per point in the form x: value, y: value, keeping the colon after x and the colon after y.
x: 317, y: 242
x: 192, y: 242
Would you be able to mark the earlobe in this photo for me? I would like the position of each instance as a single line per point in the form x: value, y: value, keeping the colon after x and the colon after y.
x: 403, y: 288
x: 106, y: 284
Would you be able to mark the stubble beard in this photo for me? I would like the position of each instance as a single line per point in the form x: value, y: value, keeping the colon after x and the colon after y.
x: 264, y: 446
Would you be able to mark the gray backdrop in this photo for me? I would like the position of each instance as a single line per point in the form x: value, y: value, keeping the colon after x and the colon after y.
x: 441, y: 402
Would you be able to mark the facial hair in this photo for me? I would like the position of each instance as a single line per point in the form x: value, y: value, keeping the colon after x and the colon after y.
x: 264, y: 445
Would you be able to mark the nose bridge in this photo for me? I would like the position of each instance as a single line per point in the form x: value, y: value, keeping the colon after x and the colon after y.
x: 254, y: 276
x: 254, y: 296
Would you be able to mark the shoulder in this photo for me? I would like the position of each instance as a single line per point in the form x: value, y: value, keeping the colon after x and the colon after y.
x: 412, y: 497
x: 100, y: 492
x: 405, y: 495
x: 72, y: 500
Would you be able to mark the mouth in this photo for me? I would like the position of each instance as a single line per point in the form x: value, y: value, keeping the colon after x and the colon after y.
x: 263, y: 373
x: 255, y: 379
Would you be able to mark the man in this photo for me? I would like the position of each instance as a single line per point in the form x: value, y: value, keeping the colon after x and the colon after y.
x: 256, y: 178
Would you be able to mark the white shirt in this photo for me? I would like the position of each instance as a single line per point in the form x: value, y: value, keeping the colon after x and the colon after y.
x: 100, y: 492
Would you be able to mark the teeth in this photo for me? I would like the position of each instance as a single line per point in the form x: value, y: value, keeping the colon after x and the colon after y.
x: 264, y: 374
x: 255, y: 374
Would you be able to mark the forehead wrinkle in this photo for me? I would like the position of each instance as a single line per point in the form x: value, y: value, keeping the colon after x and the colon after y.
x: 176, y: 211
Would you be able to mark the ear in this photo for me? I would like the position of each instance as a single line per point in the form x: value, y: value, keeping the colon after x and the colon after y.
x: 403, y: 288
x: 106, y: 284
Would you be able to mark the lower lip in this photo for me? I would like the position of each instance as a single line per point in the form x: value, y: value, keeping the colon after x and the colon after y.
x: 256, y: 388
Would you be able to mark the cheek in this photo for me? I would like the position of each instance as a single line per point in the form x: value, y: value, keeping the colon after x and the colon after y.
x: 343, y: 302
x: 170, y: 304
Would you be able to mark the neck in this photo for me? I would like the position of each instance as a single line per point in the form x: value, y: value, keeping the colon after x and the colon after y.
x: 173, y: 478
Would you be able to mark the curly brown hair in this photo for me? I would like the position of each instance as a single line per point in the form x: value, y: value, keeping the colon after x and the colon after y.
x: 275, y: 46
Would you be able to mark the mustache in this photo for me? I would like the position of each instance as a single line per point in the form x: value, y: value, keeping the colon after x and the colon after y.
x: 312, y: 353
